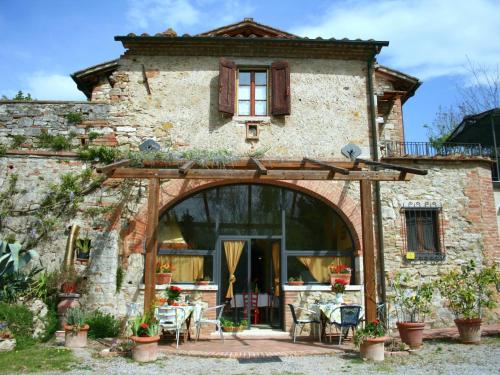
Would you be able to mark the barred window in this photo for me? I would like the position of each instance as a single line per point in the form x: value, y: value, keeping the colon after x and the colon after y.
x: 423, y: 234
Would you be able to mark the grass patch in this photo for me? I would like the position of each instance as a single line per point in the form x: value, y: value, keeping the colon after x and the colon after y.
x: 37, y: 358
x: 20, y: 322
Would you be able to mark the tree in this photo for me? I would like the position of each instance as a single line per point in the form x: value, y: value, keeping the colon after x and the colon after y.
x: 20, y: 97
x: 481, y: 93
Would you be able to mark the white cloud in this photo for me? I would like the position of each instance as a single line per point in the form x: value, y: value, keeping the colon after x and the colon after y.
x: 158, y: 15
x: 51, y: 86
x: 428, y: 38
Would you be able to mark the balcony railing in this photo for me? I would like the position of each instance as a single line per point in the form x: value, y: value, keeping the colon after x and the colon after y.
x: 427, y: 149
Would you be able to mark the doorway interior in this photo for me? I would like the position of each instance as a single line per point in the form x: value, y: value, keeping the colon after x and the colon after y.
x: 256, y: 287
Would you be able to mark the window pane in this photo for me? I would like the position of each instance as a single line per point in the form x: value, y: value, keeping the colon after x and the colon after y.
x: 260, y: 93
x: 244, y: 108
x: 188, y: 268
x: 260, y: 108
x: 244, y: 93
x: 244, y: 78
x: 260, y: 78
x: 314, y: 269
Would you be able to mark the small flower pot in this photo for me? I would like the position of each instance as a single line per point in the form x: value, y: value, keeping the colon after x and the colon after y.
x: 69, y: 287
x: 163, y: 278
x: 372, y: 349
x: 411, y: 334
x: 233, y: 329
x: 75, y: 338
x: 202, y: 282
x: 145, y: 348
x: 343, y: 276
x: 469, y: 330
x: 295, y: 283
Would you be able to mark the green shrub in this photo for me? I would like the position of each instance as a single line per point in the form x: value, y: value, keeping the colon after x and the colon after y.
x: 54, y: 142
x: 101, y: 153
x: 74, y: 117
x: 3, y: 150
x: 51, y: 323
x: 17, y: 141
x: 20, y: 321
x: 102, y: 325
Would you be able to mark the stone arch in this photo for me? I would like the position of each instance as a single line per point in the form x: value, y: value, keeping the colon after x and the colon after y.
x: 175, y: 191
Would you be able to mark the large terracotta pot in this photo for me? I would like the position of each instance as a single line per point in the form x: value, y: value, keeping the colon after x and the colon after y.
x: 74, y: 338
x: 343, y: 276
x: 411, y: 334
x: 469, y: 330
x: 145, y: 348
x: 163, y: 278
x: 372, y: 349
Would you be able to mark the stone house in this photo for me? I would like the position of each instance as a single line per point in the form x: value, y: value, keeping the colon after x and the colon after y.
x: 239, y: 91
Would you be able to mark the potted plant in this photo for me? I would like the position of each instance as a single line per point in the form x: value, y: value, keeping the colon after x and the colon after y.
x: 163, y: 272
x: 75, y: 328
x: 295, y: 280
x: 69, y: 284
x: 370, y: 341
x: 340, y: 271
x: 338, y: 288
x: 230, y: 326
x: 203, y: 280
x: 173, y: 294
x: 467, y: 292
x: 145, y: 335
x: 83, y: 249
x: 411, y: 304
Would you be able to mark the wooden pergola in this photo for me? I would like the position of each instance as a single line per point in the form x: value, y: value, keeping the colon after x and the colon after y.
x: 253, y: 169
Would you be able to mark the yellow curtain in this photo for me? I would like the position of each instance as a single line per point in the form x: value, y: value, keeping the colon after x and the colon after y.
x: 187, y: 268
x: 233, y: 250
x: 276, y: 267
x: 319, y: 266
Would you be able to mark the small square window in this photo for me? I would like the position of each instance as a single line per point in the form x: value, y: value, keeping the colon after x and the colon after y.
x: 423, y: 234
x: 252, y: 130
x: 252, y: 93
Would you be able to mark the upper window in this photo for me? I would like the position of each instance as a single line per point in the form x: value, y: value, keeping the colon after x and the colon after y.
x: 424, y: 238
x: 252, y: 93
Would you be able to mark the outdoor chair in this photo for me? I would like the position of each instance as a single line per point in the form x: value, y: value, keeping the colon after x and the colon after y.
x: 311, y: 319
x: 350, y: 317
x: 171, y: 319
x: 202, y: 320
x: 254, y: 300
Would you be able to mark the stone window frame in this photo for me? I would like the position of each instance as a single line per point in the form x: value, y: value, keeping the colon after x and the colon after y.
x: 420, y: 254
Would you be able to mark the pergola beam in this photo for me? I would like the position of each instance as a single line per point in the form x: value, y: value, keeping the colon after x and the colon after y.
x: 186, y: 166
x: 395, y: 167
x: 260, y: 167
x: 237, y: 174
x: 328, y: 165
x: 111, y: 167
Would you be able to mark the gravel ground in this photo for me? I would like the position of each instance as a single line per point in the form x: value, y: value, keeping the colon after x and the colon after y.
x: 437, y: 357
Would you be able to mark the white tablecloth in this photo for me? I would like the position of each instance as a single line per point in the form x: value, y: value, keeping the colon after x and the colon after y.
x: 330, y: 310
x: 264, y: 299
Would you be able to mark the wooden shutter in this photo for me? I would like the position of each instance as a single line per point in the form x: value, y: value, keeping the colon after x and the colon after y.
x: 280, y: 88
x: 227, y: 77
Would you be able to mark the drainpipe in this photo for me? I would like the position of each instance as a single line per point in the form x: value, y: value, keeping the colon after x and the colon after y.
x: 378, y: 206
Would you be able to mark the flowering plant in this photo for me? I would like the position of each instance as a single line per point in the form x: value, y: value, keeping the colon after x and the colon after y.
x: 371, y: 330
x: 145, y: 325
x: 163, y: 267
x: 411, y: 302
x: 339, y: 268
x: 173, y: 292
x: 339, y: 285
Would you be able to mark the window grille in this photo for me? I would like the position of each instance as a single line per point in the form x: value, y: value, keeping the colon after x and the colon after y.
x: 423, y: 234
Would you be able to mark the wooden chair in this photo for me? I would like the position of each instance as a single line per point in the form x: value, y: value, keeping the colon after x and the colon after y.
x: 254, y: 300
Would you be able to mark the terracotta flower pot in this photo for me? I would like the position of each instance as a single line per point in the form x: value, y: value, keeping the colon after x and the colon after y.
x: 342, y: 276
x: 69, y: 287
x: 163, y: 278
x: 74, y: 338
x: 372, y: 348
x: 233, y: 329
x: 411, y: 334
x: 145, y: 348
x: 202, y: 282
x: 469, y: 330
x: 295, y: 283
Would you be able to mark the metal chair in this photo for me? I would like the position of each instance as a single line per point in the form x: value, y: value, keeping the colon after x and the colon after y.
x: 216, y: 321
x: 171, y: 319
x: 350, y: 317
x: 312, y: 320
x: 254, y: 301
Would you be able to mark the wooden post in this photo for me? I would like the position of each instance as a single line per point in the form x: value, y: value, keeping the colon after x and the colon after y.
x: 151, y: 242
x: 368, y: 250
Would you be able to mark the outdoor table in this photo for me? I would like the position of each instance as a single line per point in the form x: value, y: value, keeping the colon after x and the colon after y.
x: 184, y: 314
x: 328, y: 312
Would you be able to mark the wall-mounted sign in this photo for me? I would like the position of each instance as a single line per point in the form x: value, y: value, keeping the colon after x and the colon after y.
x: 422, y: 204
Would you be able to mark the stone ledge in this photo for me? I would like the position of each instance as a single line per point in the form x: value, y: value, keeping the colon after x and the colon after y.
x: 210, y: 287
x: 317, y: 288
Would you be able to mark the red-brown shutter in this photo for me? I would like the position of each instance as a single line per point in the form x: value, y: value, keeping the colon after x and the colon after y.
x: 280, y: 88
x: 227, y: 78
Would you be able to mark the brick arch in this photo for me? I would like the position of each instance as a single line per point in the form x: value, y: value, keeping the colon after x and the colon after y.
x: 178, y: 190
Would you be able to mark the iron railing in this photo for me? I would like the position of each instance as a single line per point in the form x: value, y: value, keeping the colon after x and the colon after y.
x: 428, y: 149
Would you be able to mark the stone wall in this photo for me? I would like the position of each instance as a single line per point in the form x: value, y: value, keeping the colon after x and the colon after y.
x: 464, y: 190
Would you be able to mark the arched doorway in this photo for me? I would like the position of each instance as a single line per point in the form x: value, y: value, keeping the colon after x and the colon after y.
x: 277, y: 233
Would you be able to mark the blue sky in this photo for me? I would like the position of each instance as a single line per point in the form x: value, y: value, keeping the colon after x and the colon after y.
x: 42, y: 42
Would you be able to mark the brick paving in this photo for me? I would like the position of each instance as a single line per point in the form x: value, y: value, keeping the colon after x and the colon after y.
x: 270, y: 346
